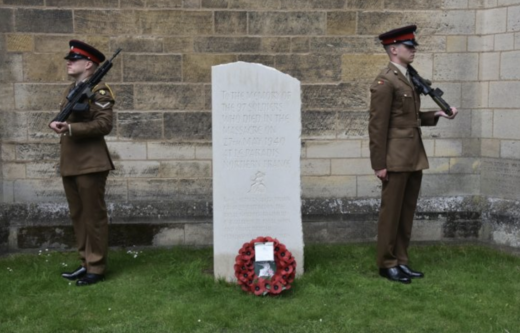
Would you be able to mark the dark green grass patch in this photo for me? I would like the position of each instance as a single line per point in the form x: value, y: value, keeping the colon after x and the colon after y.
x: 466, y: 289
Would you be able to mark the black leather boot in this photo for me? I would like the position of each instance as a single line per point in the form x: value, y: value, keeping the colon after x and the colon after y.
x: 411, y: 273
x: 90, y: 279
x: 78, y: 273
x: 395, y: 274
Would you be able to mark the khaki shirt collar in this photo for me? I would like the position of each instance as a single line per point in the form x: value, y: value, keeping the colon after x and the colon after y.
x: 401, y: 68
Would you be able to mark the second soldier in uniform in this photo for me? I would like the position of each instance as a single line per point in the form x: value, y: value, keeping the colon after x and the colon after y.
x: 397, y: 153
x: 85, y: 164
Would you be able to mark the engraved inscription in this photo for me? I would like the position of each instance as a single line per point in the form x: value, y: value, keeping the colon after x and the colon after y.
x: 257, y: 213
x: 500, y: 178
x: 253, y: 123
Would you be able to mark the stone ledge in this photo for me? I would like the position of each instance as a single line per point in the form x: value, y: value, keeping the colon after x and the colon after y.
x: 46, y: 225
x: 317, y: 209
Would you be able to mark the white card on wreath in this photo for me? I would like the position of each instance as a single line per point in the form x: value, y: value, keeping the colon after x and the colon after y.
x: 264, y: 251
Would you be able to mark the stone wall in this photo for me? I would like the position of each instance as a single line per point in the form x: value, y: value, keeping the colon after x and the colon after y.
x: 498, y: 113
x: 161, y: 142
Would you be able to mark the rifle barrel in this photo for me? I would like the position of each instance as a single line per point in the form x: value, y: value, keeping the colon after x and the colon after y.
x: 425, y: 89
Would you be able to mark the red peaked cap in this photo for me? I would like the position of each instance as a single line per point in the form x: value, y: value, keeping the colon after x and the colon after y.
x: 81, y: 50
x: 404, y: 35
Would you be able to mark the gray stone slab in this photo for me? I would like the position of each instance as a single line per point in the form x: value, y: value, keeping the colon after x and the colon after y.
x: 256, y: 161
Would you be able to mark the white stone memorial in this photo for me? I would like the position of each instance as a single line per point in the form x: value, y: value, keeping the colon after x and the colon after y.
x: 256, y: 161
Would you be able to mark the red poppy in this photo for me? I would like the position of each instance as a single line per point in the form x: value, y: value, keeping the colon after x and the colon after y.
x: 280, y: 263
x: 258, y: 240
x: 247, y: 246
x: 237, y: 271
x: 288, y: 260
x: 248, y: 269
x: 272, y: 240
x: 239, y: 259
x: 283, y: 257
x: 287, y: 270
x: 259, y: 288
x: 280, y: 278
x: 276, y: 287
x: 290, y: 278
x: 247, y: 254
x: 246, y: 260
x: 240, y: 263
x: 243, y: 277
x: 244, y: 274
x: 278, y: 249
x: 242, y: 268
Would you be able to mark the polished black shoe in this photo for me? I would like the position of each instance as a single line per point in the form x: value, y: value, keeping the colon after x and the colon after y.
x: 411, y: 273
x: 395, y: 274
x: 90, y: 279
x: 78, y: 273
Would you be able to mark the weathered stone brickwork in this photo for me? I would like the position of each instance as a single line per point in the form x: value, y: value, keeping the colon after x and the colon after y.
x: 161, y: 142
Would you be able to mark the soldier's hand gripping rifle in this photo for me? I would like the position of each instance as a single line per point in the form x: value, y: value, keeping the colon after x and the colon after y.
x: 79, y: 97
x: 423, y: 86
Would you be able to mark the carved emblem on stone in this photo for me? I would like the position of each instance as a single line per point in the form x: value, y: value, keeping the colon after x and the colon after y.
x: 257, y: 185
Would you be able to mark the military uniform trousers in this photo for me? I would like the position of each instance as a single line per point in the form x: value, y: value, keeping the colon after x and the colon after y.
x: 86, y: 197
x: 398, y: 203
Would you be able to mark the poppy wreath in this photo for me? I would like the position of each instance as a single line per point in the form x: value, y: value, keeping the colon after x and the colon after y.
x: 245, y: 269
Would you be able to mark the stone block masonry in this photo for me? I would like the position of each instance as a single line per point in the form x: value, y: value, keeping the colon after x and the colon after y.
x: 161, y: 141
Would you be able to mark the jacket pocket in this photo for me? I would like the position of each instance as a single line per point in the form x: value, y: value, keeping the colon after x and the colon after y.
x: 401, y: 147
x: 408, y: 103
x: 401, y: 133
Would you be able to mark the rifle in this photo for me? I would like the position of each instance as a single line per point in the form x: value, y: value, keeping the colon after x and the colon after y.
x: 79, y: 96
x: 423, y: 86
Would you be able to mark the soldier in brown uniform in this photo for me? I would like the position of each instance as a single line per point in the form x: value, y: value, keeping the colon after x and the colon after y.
x: 397, y: 153
x: 85, y: 164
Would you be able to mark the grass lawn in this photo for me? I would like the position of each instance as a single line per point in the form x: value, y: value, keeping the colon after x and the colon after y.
x: 467, y: 288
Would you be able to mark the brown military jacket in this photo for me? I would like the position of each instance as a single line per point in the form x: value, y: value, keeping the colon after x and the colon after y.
x: 394, y: 124
x: 84, y: 149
